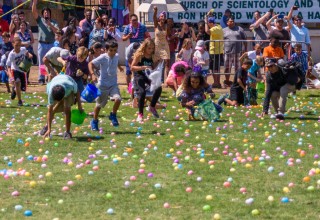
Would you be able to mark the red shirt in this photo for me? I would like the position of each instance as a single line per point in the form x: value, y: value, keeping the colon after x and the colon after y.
x: 4, y: 25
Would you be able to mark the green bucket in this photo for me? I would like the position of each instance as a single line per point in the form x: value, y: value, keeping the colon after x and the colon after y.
x: 77, y: 117
x: 26, y: 64
x: 260, y: 87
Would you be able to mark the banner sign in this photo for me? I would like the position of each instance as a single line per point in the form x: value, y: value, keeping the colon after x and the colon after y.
x: 243, y: 10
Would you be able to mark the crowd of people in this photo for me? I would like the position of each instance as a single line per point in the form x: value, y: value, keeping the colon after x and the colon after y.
x: 87, y: 51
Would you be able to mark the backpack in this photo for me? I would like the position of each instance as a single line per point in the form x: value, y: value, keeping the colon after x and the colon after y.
x: 292, y: 71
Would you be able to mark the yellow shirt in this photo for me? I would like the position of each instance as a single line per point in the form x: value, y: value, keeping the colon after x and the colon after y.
x: 216, y: 33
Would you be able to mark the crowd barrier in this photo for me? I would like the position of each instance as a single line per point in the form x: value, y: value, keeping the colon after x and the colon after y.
x: 228, y: 62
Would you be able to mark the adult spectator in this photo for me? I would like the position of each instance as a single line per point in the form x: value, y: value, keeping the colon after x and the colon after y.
x: 86, y: 26
x: 135, y: 31
x: 256, y: 16
x: 260, y: 30
x: 22, y: 18
x: 27, y: 41
x: 162, y: 50
x: 224, y: 19
x: 233, y: 49
x: 278, y: 29
x: 14, y: 25
x: 47, y: 29
x: 3, y: 23
x: 7, y: 6
x: 279, y: 85
x: 73, y: 21
x: 98, y: 34
x: 173, y: 40
x: 215, y: 49
x: 70, y: 34
x: 112, y: 31
x: 186, y: 32
x: 68, y: 10
x: 300, y: 33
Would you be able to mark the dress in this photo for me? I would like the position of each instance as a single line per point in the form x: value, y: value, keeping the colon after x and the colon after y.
x: 162, y: 50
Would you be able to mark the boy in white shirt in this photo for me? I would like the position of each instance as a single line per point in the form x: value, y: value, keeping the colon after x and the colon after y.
x: 107, y: 83
x: 17, y: 76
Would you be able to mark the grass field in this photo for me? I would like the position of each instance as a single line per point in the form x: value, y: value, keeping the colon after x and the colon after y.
x: 241, y: 167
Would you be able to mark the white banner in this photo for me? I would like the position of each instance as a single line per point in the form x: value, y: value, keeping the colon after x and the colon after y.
x: 243, y: 10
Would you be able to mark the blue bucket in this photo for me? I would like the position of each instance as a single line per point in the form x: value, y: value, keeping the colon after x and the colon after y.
x: 90, y: 93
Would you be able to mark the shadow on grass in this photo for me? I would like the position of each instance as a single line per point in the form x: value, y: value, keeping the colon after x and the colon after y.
x: 134, y: 132
x: 87, y: 139
x: 301, y: 119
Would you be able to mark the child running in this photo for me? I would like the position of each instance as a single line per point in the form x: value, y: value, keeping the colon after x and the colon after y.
x: 238, y: 86
x: 107, y: 83
x: 17, y: 76
x: 194, y: 89
x: 143, y: 59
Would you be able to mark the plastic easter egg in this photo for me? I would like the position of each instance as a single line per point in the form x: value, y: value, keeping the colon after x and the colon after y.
x: 284, y: 199
x: 32, y: 184
x: 152, y: 196
x: 209, y: 197
x: 110, y: 211
x: 249, y: 201
x: 216, y: 216
x: 18, y: 207
x: 166, y: 205
x: 189, y: 189
x: 28, y: 213
x: 206, y: 208
x: 255, y: 212
x: 109, y: 196
x: 270, y: 198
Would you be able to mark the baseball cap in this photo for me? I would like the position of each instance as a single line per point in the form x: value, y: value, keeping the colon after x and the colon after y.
x: 280, y: 17
x: 270, y: 62
x: 199, y: 45
x: 211, y: 20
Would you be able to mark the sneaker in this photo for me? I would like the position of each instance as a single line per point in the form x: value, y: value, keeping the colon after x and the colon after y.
x: 154, y: 112
x: 44, y: 130
x: 114, y: 120
x: 227, y: 83
x: 272, y: 116
x: 20, y: 103
x: 94, y: 125
x: 222, y: 99
x: 67, y: 135
x: 140, y: 117
x: 280, y: 116
x: 41, y: 82
x: 13, y: 93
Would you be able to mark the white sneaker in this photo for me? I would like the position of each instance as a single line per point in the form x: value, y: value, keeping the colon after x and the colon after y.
x: 140, y: 117
x: 272, y: 116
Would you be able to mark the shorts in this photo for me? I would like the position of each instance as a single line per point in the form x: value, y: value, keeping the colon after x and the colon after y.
x: 113, y: 92
x: 80, y: 85
x: 66, y: 102
x: 216, y: 60
x: 236, y: 94
x: 20, y: 77
x: 4, y: 77
x: 232, y: 59
x: 128, y: 70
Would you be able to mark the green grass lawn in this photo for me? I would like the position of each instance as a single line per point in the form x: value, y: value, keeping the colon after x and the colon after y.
x: 241, y: 167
